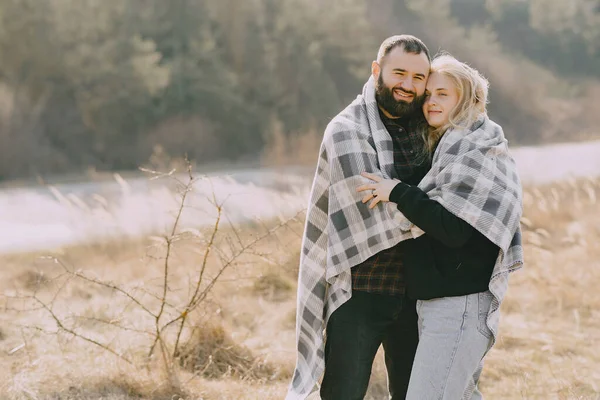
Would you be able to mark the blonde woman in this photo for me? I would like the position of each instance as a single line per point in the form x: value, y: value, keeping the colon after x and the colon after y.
x: 465, y: 217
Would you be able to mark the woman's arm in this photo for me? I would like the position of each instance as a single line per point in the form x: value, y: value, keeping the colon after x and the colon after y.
x: 418, y: 208
x: 430, y: 216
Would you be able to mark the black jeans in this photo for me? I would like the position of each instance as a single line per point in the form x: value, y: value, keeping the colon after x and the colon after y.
x: 354, y: 333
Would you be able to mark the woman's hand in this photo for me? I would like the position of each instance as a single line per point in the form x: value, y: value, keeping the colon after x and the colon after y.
x: 378, y: 191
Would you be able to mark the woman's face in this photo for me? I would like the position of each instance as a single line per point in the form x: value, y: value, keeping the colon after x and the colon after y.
x: 441, y: 96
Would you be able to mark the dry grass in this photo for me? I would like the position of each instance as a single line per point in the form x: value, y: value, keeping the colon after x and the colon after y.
x: 550, y: 331
x: 242, y: 347
x: 212, y: 353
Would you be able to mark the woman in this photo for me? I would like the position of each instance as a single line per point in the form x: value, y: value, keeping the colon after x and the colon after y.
x: 465, y: 216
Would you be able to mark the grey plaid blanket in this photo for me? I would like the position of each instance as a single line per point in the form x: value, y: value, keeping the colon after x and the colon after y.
x: 341, y: 232
x: 474, y: 177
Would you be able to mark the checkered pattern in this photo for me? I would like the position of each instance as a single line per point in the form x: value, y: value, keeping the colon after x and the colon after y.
x: 383, y: 273
x: 474, y: 177
x: 408, y: 151
x: 340, y: 230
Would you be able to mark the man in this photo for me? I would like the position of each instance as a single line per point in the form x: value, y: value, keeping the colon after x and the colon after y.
x: 351, y: 278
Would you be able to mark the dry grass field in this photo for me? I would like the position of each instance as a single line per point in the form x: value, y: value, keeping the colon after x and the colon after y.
x: 62, y: 316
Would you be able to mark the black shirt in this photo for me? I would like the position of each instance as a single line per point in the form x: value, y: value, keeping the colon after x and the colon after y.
x: 451, y: 259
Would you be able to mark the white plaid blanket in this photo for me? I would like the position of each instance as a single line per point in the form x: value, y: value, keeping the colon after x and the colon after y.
x: 474, y: 177
x: 341, y: 231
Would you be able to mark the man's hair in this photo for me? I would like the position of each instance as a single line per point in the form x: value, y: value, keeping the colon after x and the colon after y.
x: 409, y: 43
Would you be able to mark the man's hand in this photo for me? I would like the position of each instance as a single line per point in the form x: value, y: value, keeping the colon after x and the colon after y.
x: 378, y: 191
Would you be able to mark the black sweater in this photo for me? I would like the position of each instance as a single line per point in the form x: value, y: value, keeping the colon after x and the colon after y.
x: 451, y: 259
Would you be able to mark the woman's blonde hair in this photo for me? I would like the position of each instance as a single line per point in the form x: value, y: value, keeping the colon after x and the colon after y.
x: 472, y: 90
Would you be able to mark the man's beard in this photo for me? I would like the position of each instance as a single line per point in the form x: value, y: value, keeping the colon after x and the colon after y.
x: 396, y: 108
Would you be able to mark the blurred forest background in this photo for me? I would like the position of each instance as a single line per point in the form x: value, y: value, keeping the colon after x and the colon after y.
x: 105, y: 84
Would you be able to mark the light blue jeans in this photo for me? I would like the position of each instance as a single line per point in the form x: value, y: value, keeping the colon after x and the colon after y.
x: 453, y: 340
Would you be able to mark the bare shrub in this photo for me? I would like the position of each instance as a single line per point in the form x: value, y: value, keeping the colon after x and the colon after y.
x: 163, y: 312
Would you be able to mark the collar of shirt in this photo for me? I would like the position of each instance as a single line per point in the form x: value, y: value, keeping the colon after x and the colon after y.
x: 393, y: 125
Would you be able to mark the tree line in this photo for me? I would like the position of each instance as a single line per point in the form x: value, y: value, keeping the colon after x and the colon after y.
x: 105, y: 83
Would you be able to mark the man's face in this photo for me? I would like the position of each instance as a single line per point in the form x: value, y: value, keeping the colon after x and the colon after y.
x: 400, y: 82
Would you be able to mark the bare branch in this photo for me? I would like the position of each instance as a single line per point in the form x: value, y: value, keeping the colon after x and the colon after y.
x: 62, y: 327
x: 106, y: 285
x: 158, y: 329
x: 156, y: 297
x: 113, y: 323
x: 189, y: 306
x: 237, y: 255
x: 239, y: 239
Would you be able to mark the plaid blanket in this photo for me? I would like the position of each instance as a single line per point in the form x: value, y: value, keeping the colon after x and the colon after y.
x: 474, y: 177
x: 340, y: 231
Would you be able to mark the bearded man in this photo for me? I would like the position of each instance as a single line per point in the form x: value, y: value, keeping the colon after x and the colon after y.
x: 351, y: 281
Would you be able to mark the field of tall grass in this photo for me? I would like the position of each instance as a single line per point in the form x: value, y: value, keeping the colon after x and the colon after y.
x: 80, y: 322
